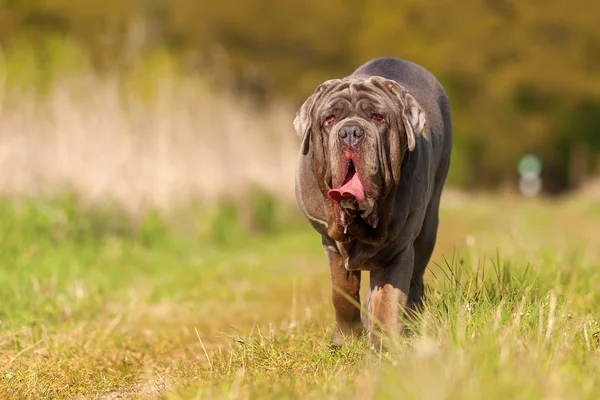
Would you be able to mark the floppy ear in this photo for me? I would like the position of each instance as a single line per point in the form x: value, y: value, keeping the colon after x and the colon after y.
x: 303, y: 121
x: 411, y: 114
x: 414, y: 119
x: 302, y: 124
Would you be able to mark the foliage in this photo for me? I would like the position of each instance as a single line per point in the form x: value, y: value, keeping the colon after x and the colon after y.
x: 522, y: 76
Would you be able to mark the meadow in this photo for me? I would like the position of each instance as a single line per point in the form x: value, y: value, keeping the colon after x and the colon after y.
x: 150, y: 247
x: 97, y: 305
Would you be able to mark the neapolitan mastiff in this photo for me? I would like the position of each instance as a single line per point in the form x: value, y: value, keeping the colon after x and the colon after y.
x: 373, y: 160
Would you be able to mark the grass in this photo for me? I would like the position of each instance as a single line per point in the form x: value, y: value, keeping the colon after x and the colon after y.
x: 95, y: 304
x: 168, y: 296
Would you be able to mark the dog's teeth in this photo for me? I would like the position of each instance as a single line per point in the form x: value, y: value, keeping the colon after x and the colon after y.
x: 347, y: 220
x: 349, y: 204
x: 367, y: 204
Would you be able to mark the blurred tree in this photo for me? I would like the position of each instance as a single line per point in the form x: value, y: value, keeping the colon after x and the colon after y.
x: 521, y: 76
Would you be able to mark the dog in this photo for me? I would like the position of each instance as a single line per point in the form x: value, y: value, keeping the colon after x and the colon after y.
x: 374, y: 156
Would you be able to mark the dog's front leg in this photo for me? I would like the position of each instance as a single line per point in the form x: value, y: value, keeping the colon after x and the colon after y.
x: 388, y: 298
x: 345, y: 285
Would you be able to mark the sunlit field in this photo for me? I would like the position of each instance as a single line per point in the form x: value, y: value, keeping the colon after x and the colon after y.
x: 150, y: 247
x: 96, y: 304
x: 150, y: 242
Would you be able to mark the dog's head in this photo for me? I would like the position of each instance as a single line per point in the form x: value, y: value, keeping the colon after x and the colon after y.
x: 358, y: 130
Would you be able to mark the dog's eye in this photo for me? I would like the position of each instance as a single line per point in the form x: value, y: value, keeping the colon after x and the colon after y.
x: 377, y: 117
x: 329, y: 120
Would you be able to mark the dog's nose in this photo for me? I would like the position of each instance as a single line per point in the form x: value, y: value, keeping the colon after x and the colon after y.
x: 351, y: 134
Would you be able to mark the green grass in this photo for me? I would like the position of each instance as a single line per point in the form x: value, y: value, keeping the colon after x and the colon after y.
x: 95, y: 304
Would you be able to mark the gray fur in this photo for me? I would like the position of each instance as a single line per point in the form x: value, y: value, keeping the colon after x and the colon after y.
x: 405, y: 179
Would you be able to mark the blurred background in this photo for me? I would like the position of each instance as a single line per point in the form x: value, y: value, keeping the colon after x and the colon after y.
x: 156, y: 102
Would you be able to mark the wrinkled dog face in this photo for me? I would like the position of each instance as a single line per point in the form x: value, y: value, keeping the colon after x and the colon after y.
x: 358, y: 129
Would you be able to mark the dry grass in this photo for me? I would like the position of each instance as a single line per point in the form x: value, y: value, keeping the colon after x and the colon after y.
x: 92, y: 310
x: 102, y: 139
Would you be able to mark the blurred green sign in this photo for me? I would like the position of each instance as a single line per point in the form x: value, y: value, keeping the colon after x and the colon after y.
x: 530, y: 165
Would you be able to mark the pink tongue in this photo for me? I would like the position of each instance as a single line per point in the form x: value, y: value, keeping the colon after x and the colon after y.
x: 353, y: 188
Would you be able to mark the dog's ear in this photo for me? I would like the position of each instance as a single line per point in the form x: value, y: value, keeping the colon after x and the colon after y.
x: 303, y: 123
x: 410, y: 114
x: 414, y: 119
